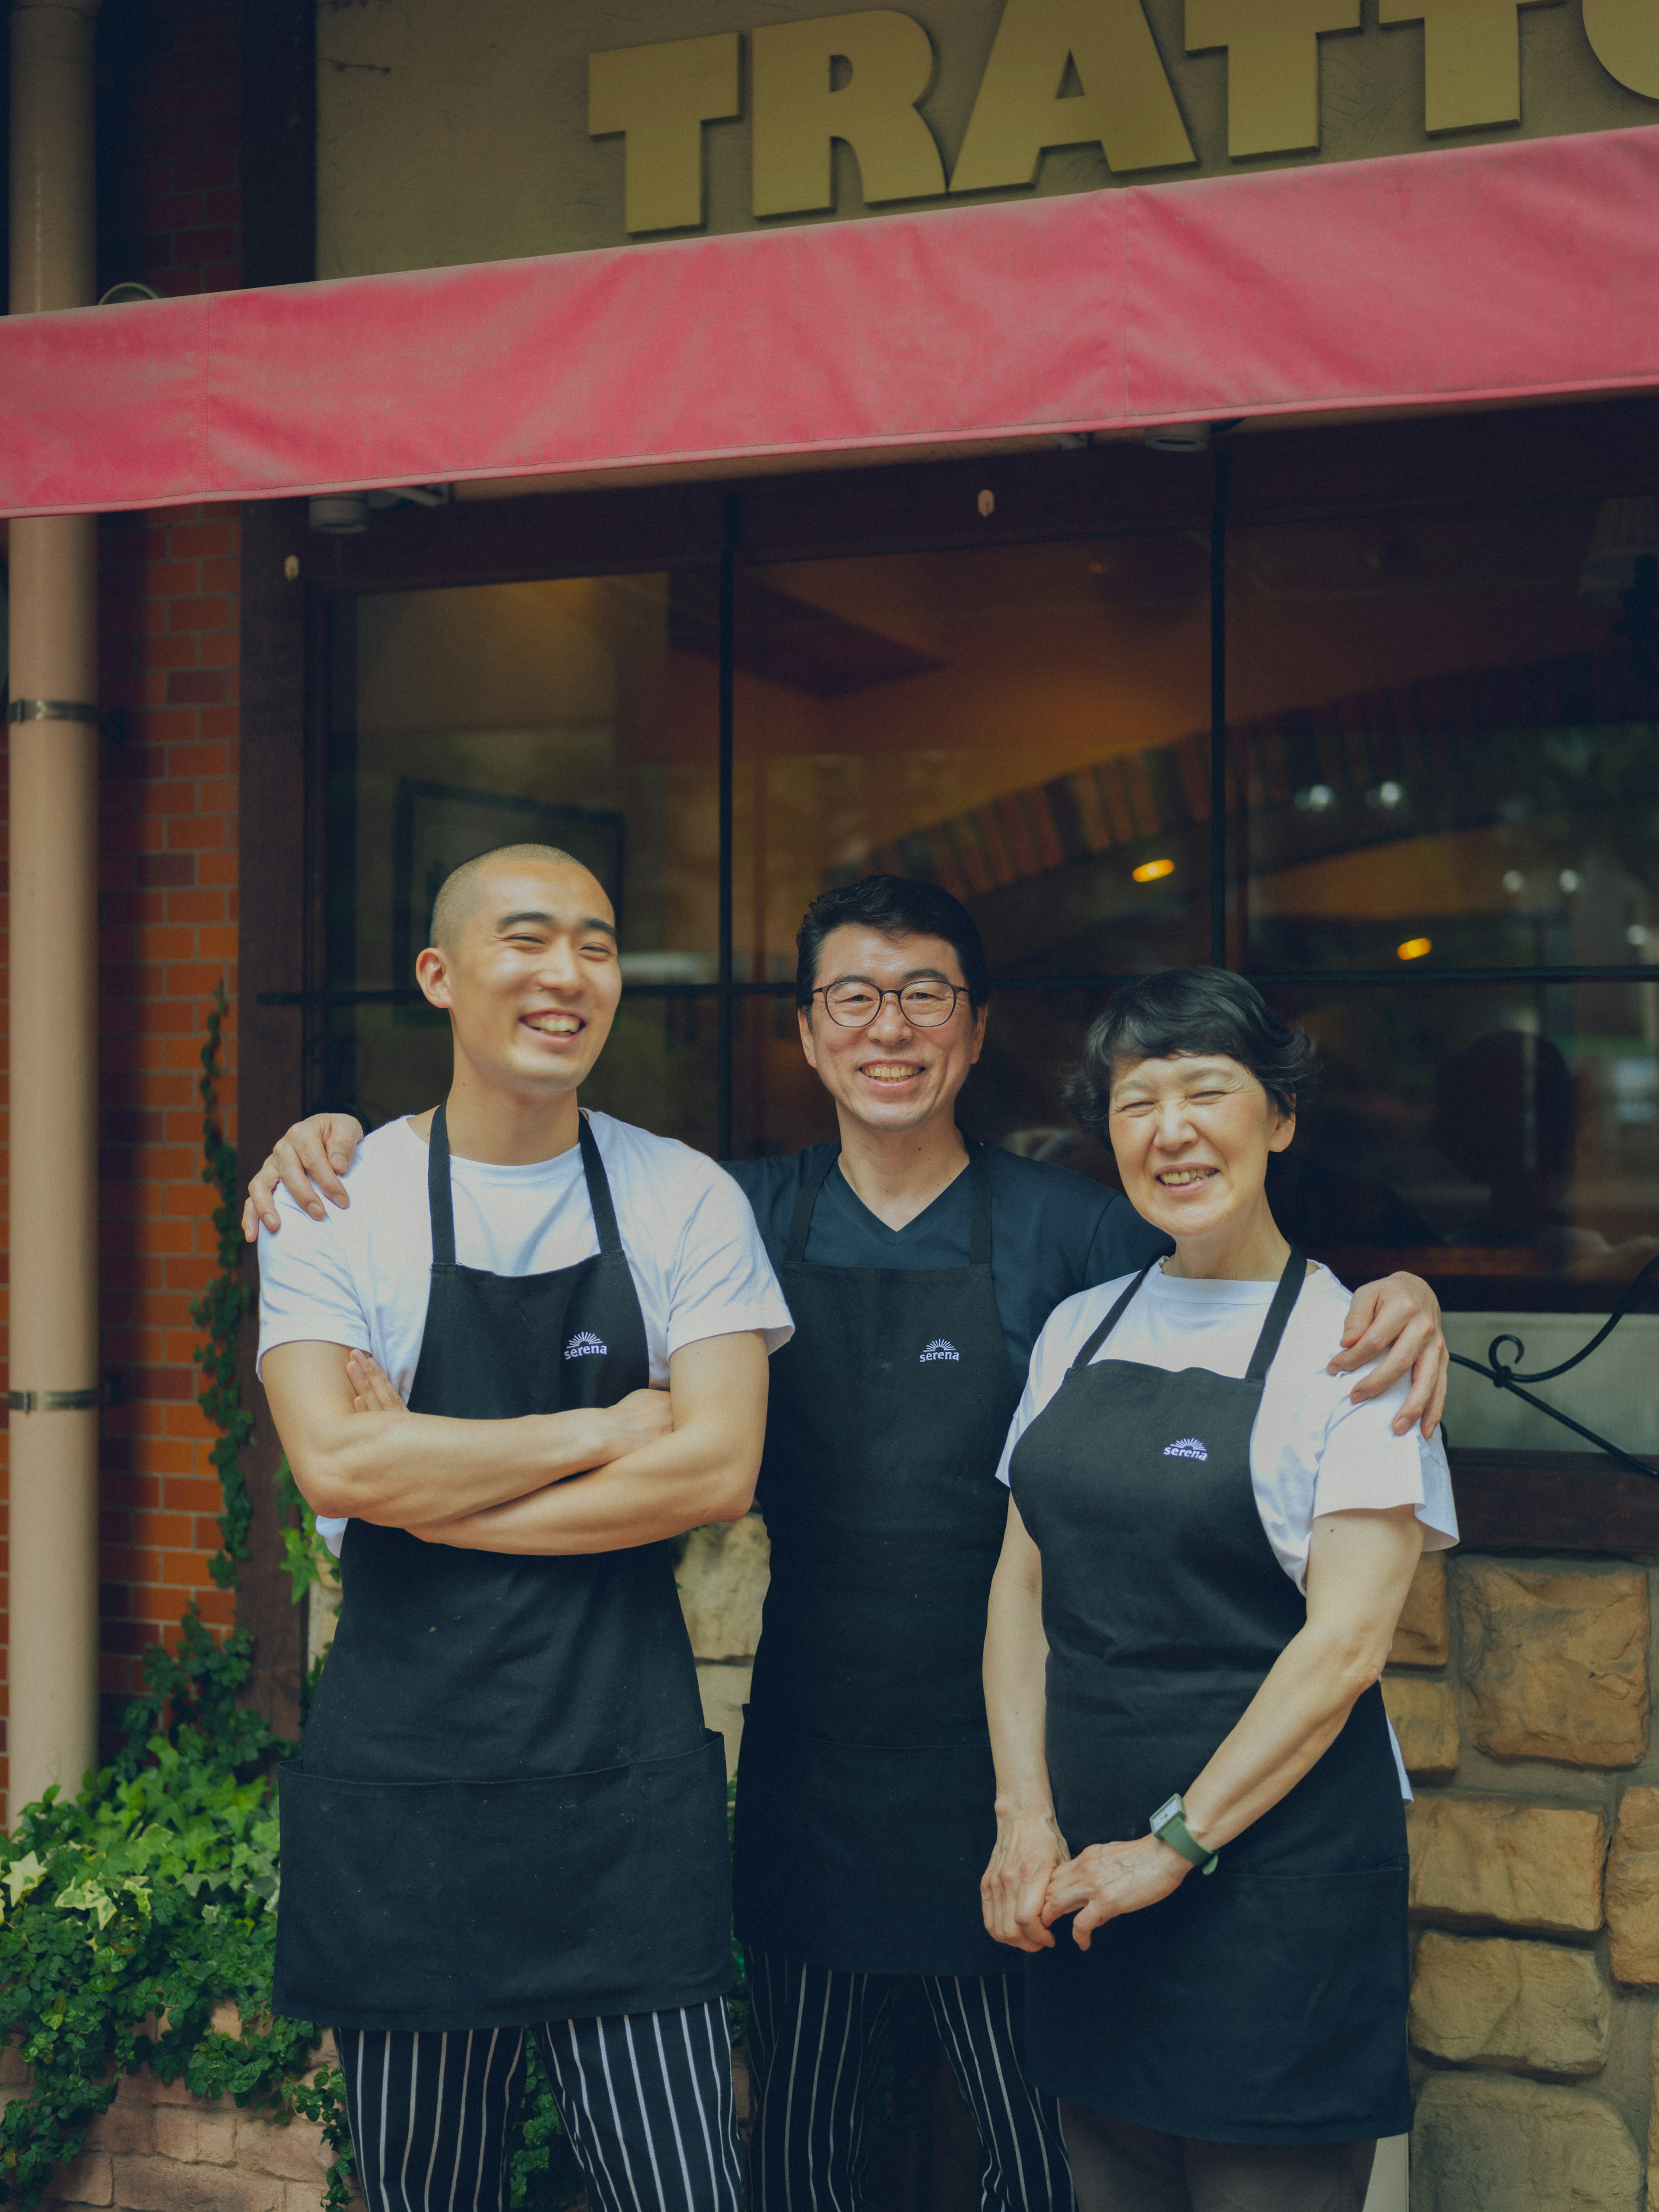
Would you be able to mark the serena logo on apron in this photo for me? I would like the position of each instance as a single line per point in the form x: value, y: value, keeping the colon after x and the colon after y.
x: 940, y: 1348
x: 1183, y: 1448
x: 585, y: 1345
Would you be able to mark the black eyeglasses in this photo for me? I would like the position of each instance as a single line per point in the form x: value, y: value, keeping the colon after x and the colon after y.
x: 927, y: 1005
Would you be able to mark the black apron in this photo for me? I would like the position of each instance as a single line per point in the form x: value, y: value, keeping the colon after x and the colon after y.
x: 507, y: 1808
x: 866, y: 1788
x: 1265, y: 2003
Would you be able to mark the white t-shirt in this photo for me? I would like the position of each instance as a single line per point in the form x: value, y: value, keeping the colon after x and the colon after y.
x: 361, y: 1276
x: 1312, y: 1450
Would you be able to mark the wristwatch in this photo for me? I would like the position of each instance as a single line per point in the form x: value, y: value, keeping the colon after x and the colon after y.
x: 1169, y: 1824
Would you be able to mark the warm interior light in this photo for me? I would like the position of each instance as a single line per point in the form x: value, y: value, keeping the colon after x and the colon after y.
x: 1414, y: 948
x: 1149, y: 870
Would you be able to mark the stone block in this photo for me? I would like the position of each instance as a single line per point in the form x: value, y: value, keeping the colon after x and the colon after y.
x: 1525, y: 2008
x: 195, y: 2135
x: 145, y: 2088
x: 1485, y: 2144
x: 13, y: 2072
x: 1653, y: 2129
x: 722, y: 1576
x: 1556, y: 1664
x: 306, y: 2197
x: 294, y: 2152
x: 128, y: 2125
x: 1481, y: 1860
x: 1633, y: 1890
x: 161, y: 2185
x: 1424, y: 1716
x: 84, y: 2180
x: 1422, y: 1637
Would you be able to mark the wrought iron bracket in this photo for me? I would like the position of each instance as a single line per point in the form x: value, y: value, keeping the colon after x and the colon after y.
x: 1506, y: 1375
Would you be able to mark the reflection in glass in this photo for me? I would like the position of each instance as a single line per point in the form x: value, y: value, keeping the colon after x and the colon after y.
x: 579, y: 712
x: 1448, y: 731
x: 1020, y: 724
x: 1497, y: 1130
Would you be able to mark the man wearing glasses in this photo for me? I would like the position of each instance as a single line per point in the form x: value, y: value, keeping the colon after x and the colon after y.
x: 919, y: 1269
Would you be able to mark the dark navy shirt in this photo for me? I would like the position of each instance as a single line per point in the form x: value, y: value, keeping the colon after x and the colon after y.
x: 1052, y: 1232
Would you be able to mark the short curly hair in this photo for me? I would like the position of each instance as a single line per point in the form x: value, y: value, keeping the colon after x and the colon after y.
x: 1181, y: 1012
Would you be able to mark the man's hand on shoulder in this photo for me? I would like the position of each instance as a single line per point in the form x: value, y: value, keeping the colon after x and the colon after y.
x: 307, y: 1164
x: 1396, y: 1322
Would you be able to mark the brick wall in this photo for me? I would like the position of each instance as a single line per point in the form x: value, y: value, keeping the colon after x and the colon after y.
x: 170, y: 214
x: 167, y: 865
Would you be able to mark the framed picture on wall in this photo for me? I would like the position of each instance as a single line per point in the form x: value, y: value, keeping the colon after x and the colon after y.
x: 437, y: 826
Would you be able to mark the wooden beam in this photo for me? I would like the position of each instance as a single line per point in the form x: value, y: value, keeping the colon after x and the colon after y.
x: 1521, y: 1501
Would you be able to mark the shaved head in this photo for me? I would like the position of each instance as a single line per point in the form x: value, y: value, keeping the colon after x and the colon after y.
x: 462, y: 889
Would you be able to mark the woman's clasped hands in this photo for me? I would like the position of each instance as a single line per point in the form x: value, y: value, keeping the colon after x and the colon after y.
x: 1032, y: 1881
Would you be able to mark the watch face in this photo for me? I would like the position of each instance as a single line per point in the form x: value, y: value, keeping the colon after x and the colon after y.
x: 1165, y: 1813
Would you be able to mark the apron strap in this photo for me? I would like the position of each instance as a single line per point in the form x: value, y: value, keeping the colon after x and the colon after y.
x: 1272, y: 1329
x: 1111, y: 1319
x: 979, y: 1170
x: 440, y: 1203
x: 599, y: 1192
x: 979, y: 1238
x: 802, y: 1220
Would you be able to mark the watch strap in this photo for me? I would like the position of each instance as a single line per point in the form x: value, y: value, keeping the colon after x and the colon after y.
x: 1169, y: 1824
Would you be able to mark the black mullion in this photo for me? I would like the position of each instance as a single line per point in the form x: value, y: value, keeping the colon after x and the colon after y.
x: 727, y: 702
x: 1222, y: 463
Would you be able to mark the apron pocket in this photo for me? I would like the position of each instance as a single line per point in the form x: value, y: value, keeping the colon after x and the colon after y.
x: 1240, y: 2009
x: 865, y: 1857
x: 451, y: 1905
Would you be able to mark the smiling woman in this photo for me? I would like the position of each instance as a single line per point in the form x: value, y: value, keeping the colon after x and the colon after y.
x: 1185, y: 1638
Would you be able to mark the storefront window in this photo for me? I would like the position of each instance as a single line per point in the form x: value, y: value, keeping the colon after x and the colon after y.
x: 565, y: 712
x: 1016, y: 724
x: 1441, y: 843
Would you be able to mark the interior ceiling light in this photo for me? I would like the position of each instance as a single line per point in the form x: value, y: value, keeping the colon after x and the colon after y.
x: 1317, y: 799
x: 1637, y: 933
x: 1386, y: 796
x: 1514, y: 881
x: 1149, y: 870
x: 1569, y: 879
x: 1414, y: 948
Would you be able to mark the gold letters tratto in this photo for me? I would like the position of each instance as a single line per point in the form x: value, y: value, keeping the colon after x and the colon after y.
x: 1127, y: 105
x: 1273, y: 65
x: 660, y: 97
x: 1471, y: 57
x: 798, y: 112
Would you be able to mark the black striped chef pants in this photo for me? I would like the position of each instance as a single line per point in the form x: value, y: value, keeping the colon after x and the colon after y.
x: 816, y: 2036
x: 645, y: 2097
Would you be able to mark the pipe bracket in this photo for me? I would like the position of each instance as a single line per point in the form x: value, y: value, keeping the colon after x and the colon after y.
x: 51, y: 710
x: 55, y: 1401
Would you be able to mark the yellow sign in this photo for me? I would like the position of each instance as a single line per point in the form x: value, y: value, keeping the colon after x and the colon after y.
x: 1061, y: 73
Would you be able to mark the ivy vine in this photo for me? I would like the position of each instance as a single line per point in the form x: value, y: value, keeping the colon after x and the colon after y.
x: 139, y: 1919
x: 218, y: 1311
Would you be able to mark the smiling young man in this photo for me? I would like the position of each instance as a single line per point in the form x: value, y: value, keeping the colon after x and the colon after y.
x: 506, y: 1813
x: 919, y: 1270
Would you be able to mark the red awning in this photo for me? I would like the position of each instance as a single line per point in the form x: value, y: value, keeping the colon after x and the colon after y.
x: 1485, y: 274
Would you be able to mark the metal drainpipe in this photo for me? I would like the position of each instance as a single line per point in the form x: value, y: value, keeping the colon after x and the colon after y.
x: 53, y: 725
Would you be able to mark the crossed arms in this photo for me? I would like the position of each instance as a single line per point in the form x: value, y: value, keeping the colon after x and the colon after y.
x: 592, y: 1480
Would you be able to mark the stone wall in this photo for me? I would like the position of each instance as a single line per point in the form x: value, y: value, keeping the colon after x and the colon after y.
x: 1521, y: 1690
x: 160, y: 2150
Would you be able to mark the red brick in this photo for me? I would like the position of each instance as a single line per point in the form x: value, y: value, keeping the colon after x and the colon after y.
x: 198, y: 687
